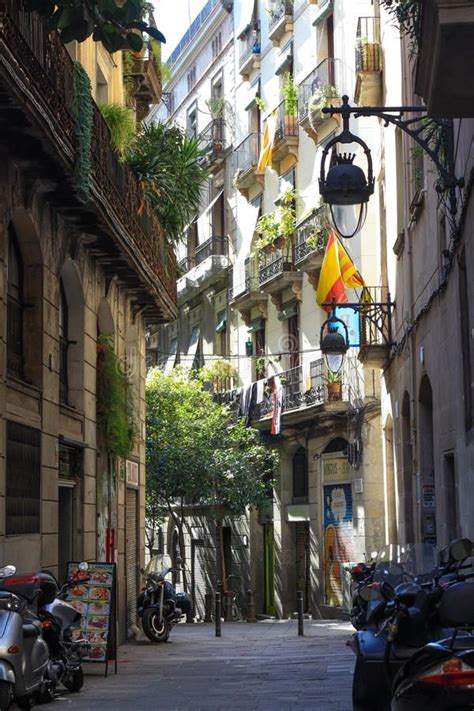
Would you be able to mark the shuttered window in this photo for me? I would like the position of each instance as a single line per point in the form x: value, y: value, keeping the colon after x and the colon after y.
x: 23, y: 485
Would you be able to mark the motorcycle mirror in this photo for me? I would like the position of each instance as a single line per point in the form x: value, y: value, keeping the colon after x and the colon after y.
x: 7, y: 571
x: 387, y: 592
x: 460, y: 549
x: 83, y: 567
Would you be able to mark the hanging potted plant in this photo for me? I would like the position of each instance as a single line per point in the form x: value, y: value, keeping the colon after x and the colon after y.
x: 290, y: 99
x: 334, y: 385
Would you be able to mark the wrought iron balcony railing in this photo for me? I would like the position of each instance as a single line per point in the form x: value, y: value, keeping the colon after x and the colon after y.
x: 43, y: 65
x: 249, y: 44
x: 312, y: 234
x: 368, y: 54
x: 186, y: 264
x: 277, y: 10
x: 216, y: 246
x: 247, y: 152
x: 323, y: 82
x: 287, y: 120
x: 213, y: 138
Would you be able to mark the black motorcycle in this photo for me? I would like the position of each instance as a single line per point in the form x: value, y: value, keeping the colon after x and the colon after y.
x: 60, y: 620
x: 160, y: 607
x: 406, y: 635
x: 361, y: 575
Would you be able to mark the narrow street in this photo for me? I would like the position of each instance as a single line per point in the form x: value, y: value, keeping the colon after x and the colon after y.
x: 264, y: 666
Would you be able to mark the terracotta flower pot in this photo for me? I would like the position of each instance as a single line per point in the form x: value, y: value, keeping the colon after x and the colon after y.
x: 334, y: 391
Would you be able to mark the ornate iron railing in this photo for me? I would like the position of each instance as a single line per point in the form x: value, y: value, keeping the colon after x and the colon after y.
x: 368, y: 53
x: 45, y: 65
x: 249, y: 43
x: 287, y: 121
x: 312, y: 234
x: 246, y: 153
x: 276, y: 263
x: 297, y: 393
x: 214, y: 138
x: 327, y: 74
x: 186, y: 264
x: 277, y: 10
x: 215, y: 246
x: 375, y: 322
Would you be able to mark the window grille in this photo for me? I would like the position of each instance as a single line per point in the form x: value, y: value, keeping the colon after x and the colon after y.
x: 23, y: 480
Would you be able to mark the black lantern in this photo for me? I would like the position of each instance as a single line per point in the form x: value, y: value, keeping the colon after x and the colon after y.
x: 334, y: 345
x: 345, y: 187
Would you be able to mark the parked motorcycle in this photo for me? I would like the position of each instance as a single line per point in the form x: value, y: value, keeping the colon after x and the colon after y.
x: 59, y: 619
x: 24, y: 655
x: 361, y: 575
x: 159, y: 605
x: 402, y: 651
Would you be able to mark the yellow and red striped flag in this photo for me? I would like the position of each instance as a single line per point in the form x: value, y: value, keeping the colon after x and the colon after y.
x: 265, y: 158
x: 338, y: 271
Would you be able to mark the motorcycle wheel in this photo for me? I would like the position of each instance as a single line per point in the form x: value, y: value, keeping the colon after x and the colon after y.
x: 46, y: 695
x: 74, y: 681
x: 151, y: 627
x: 5, y: 695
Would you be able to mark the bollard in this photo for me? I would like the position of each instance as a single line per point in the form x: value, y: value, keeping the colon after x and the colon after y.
x: 300, y: 614
x: 251, y: 609
x: 218, y: 614
x: 208, y: 604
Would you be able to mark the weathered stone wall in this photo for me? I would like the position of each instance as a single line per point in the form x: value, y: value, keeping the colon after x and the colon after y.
x: 51, y: 247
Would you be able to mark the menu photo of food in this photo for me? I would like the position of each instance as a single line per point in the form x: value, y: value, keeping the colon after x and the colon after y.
x: 79, y: 605
x: 97, y: 653
x: 100, y: 577
x: 80, y: 591
x: 99, y: 608
x: 99, y: 593
x: 97, y: 637
x: 97, y: 623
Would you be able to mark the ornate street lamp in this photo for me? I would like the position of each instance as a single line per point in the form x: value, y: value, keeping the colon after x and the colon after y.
x: 346, y: 188
x: 334, y: 345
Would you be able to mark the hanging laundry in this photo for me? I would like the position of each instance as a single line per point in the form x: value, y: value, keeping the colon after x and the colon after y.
x: 260, y: 390
x: 277, y: 405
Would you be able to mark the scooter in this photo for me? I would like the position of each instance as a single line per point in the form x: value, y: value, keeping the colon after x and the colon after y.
x: 24, y: 655
x: 160, y: 607
x: 441, y: 674
x: 59, y: 619
x: 361, y: 574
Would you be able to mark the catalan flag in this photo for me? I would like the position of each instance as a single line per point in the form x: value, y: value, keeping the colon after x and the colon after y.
x: 265, y: 158
x: 338, y: 271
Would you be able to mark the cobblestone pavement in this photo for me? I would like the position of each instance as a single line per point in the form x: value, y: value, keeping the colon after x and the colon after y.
x: 261, y: 667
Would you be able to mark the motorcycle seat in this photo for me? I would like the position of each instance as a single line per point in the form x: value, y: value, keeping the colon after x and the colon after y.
x: 31, y: 629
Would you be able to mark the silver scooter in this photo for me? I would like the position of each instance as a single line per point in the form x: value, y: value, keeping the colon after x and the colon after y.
x: 24, y: 656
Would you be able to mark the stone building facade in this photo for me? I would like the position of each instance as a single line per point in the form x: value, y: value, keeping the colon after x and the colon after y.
x: 73, y: 268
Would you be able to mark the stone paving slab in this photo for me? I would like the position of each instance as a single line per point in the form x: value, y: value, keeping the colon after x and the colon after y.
x: 252, y: 667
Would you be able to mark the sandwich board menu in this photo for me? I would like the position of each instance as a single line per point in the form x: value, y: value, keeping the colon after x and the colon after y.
x: 93, y: 595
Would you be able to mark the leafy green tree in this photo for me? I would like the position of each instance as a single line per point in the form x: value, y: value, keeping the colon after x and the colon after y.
x: 171, y: 167
x: 198, y: 452
x: 117, y: 25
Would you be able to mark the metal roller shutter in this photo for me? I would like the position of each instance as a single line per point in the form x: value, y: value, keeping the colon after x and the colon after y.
x: 302, y: 560
x: 131, y: 554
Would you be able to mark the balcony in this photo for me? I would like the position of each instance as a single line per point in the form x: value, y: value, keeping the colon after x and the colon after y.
x: 286, y: 138
x: 214, y: 141
x: 368, y: 58
x: 246, y: 155
x: 444, y: 76
x: 278, y: 272
x: 311, y: 237
x: 320, y: 88
x: 208, y: 267
x: 243, y: 299
x: 144, y: 74
x: 36, y: 92
x: 250, y: 46
x: 375, y: 325
x: 280, y: 20
x: 307, y: 397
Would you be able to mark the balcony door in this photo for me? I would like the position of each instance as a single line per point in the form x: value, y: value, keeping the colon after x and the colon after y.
x: 294, y: 341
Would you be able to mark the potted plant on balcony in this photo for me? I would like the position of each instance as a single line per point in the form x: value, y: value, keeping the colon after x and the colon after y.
x: 334, y: 385
x: 319, y: 231
x: 290, y: 99
x: 326, y: 95
x: 268, y: 227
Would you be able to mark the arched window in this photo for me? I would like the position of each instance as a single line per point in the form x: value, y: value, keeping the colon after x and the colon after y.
x: 300, y: 474
x: 14, y: 307
x: 63, y: 343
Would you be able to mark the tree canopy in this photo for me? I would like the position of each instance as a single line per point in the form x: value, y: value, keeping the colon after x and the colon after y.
x: 117, y: 25
x: 199, y: 451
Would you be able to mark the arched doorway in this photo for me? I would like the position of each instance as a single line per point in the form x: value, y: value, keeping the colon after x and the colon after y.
x: 407, y: 508
x: 426, y: 457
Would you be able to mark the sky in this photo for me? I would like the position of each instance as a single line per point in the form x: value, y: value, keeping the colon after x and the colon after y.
x: 173, y: 18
